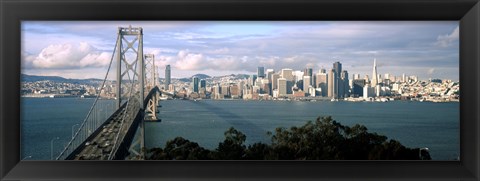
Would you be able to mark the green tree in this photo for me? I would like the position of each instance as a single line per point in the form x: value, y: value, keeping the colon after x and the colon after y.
x: 232, y: 148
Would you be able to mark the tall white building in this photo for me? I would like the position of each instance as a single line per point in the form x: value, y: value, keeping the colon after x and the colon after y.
x: 374, y: 74
x: 282, y: 87
x: 332, y: 88
x: 287, y: 74
x: 321, y: 82
x: 306, y: 83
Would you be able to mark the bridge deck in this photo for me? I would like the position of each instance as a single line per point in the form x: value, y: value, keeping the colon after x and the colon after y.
x: 99, y: 146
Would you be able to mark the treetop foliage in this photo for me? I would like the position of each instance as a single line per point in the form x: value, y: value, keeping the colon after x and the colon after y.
x: 322, y: 139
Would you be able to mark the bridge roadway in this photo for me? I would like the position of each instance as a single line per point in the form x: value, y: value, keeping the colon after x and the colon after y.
x: 101, y: 144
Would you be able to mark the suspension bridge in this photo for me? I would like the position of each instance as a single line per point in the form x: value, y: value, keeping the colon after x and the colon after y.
x: 120, y: 135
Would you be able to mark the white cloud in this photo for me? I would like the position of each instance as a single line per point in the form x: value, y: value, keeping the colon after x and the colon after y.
x: 449, y: 39
x: 190, y: 61
x: 69, y: 56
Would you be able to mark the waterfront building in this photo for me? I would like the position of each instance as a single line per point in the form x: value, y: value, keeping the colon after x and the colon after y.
x: 234, y: 91
x: 225, y: 91
x: 171, y: 88
x: 378, y: 91
x: 358, y: 86
x: 311, y: 91
x: 368, y: 92
x: 167, y: 76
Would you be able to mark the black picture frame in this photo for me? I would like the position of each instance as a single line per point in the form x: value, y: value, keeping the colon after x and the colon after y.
x: 12, y: 12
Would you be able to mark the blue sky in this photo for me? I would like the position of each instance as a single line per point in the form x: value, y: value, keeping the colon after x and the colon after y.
x: 83, y: 49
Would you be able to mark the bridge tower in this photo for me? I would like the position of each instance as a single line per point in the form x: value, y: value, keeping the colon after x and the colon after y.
x: 151, y: 78
x: 130, y: 69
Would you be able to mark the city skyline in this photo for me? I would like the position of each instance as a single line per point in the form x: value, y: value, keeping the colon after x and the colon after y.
x: 83, y: 49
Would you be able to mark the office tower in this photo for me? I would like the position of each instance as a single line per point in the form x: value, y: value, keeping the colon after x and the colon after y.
x: 337, y: 66
x: 287, y: 74
x: 275, y: 77
x: 225, y: 90
x: 374, y: 74
x: 167, y: 76
x: 387, y: 76
x: 356, y: 76
x: 290, y: 85
x: 203, y: 83
x: 323, y: 71
x: 282, y: 86
x: 309, y: 72
x: 240, y: 88
x: 321, y: 82
x: 306, y: 85
x: 234, y: 91
x: 331, y: 84
x: 252, y: 80
x: 368, y: 91
x: 404, y: 78
x: 270, y: 72
x: 357, y: 88
x: 216, y: 91
x: 345, y: 89
x: 261, y: 72
x: 195, y: 84
x: 378, y: 91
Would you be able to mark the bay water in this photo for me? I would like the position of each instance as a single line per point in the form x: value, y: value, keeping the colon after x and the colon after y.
x: 414, y: 124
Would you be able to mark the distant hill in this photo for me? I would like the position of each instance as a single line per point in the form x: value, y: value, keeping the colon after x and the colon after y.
x: 201, y: 76
x: 242, y: 76
x: 34, y: 78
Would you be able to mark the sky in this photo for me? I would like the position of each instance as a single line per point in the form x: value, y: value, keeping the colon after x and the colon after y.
x: 83, y: 49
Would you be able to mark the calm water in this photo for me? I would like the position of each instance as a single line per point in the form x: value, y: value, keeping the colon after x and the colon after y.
x: 414, y: 124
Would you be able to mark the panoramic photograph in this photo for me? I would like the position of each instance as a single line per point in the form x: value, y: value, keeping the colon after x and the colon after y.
x: 240, y: 90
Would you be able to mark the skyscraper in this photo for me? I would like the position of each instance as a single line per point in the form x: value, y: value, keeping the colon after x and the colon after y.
x: 275, y: 77
x: 261, y: 72
x: 167, y: 76
x: 308, y: 72
x: 203, y: 83
x: 374, y: 74
x: 195, y: 84
x: 321, y: 82
x: 306, y: 85
x: 337, y: 66
x: 282, y: 86
x: 345, y: 87
x: 287, y: 74
x: 332, y: 88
